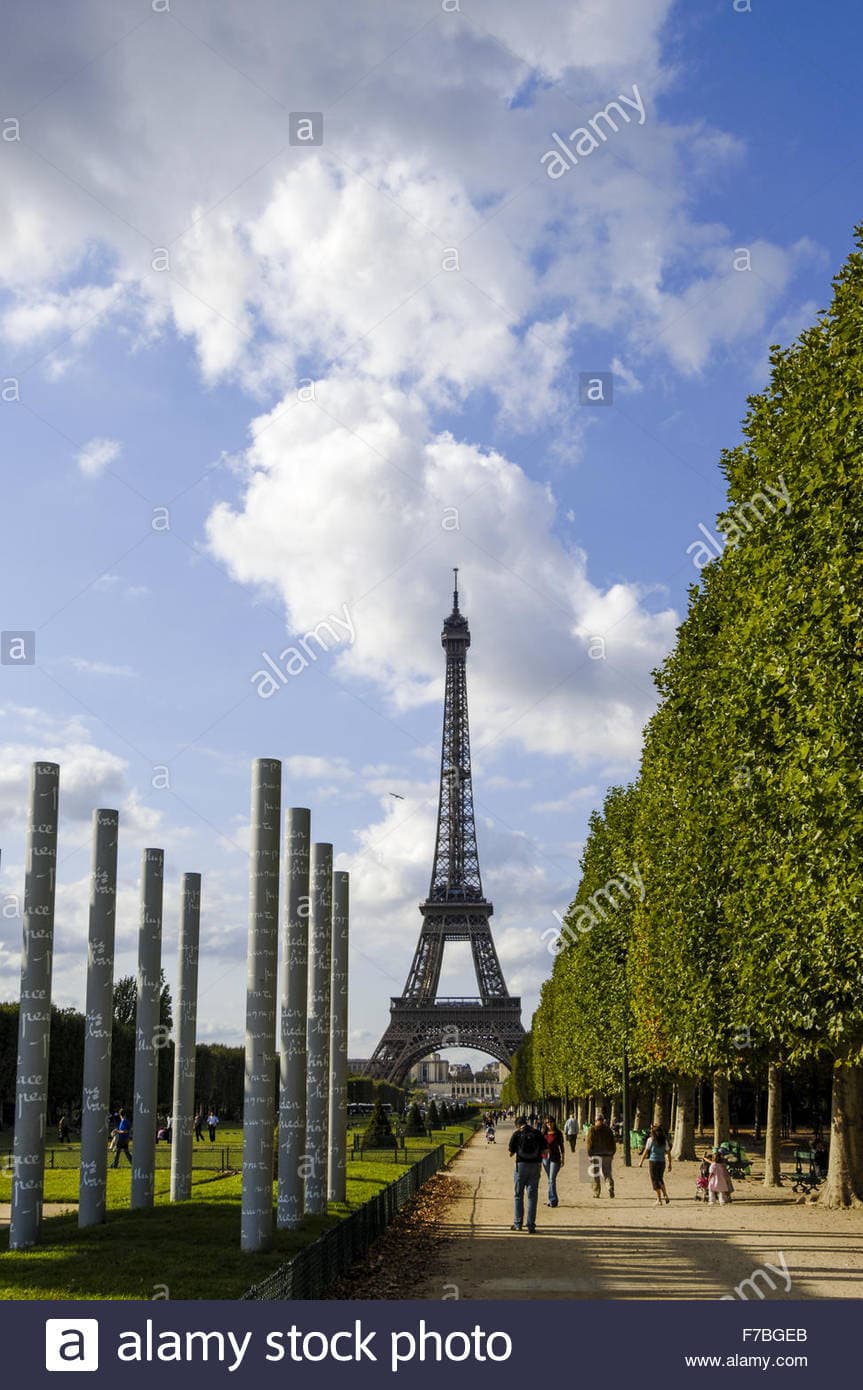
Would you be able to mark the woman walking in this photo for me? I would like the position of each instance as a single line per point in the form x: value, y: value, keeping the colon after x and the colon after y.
x: 657, y: 1151
x: 552, y: 1156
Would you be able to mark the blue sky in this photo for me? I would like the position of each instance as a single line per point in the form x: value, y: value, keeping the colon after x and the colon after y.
x: 434, y: 389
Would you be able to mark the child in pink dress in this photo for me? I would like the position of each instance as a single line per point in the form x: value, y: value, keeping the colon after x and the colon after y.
x: 719, y: 1182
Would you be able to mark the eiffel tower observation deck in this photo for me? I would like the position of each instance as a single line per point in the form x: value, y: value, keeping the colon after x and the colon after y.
x: 455, y: 910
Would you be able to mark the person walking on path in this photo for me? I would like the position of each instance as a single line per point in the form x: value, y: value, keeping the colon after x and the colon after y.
x: 719, y: 1182
x: 63, y: 1129
x: 199, y: 1126
x: 601, y: 1148
x: 552, y: 1157
x: 525, y: 1146
x: 212, y: 1121
x: 570, y: 1129
x: 124, y: 1133
x: 657, y: 1151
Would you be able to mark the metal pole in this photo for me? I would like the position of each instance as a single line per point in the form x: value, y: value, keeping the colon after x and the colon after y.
x: 147, y: 1034
x: 256, y: 1221
x: 318, y: 1029
x: 627, y: 1143
x: 338, y: 1116
x: 183, y: 1105
x: 292, y: 1031
x: 34, y: 1018
x: 97, y: 1029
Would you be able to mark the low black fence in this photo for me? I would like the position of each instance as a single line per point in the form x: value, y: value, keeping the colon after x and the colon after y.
x: 315, y: 1268
x: 404, y: 1149
x: 216, y: 1158
x: 226, y: 1158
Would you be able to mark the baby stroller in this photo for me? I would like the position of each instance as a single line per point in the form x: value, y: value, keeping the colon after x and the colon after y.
x: 701, y: 1181
x: 490, y: 1135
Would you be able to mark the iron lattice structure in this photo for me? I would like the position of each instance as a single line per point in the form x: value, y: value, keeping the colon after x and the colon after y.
x: 455, y: 910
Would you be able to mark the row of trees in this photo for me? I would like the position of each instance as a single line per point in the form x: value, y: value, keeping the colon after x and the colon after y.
x: 219, y: 1070
x: 717, y: 928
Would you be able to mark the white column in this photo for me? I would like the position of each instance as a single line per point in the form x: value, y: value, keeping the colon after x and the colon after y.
x: 96, y: 1100
x: 259, y: 1118
x: 318, y: 1028
x: 338, y: 1119
x: 183, y: 1105
x: 292, y: 1040
x: 34, y: 1019
x: 147, y: 1036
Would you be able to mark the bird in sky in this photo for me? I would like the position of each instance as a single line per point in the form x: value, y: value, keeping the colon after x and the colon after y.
x: 397, y: 797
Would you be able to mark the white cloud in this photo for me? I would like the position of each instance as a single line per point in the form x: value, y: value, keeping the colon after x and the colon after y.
x: 115, y: 583
x: 387, y: 558
x: 99, y: 668
x: 97, y: 455
x: 279, y: 256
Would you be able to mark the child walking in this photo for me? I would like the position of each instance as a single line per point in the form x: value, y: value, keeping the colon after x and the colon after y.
x: 719, y: 1182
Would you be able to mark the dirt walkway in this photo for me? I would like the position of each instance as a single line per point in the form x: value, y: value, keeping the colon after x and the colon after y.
x: 630, y: 1248
x: 49, y: 1209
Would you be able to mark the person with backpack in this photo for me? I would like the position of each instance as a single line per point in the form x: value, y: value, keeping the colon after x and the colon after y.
x: 657, y: 1151
x: 601, y: 1148
x: 526, y: 1147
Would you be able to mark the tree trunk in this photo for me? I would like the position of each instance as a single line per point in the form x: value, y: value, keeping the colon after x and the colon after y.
x: 660, y: 1107
x: 641, y: 1117
x: 672, y: 1119
x: 844, y: 1185
x: 581, y: 1111
x: 772, y: 1136
x: 757, y: 1131
x: 600, y: 1107
x: 699, y: 1108
x: 721, y: 1117
x: 684, y: 1131
x: 615, y: 1111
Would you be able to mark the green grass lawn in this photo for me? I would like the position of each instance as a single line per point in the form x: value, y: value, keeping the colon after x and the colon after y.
x: 177, y: 1250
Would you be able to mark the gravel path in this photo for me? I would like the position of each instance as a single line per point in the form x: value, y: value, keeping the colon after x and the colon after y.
x: 630, y: 1248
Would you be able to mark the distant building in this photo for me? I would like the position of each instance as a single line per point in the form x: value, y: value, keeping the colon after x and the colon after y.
x: 457, y: 1081
x: 431, y: 1071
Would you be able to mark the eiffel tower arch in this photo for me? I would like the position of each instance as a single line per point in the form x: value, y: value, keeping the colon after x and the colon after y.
x: 455, y: 910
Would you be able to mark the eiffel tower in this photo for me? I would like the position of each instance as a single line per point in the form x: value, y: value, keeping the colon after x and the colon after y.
x: 455, y: 910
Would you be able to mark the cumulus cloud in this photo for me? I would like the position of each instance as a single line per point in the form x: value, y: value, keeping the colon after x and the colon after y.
x: 419, y: 502
x: 421, y: 240
x: 90, y: 774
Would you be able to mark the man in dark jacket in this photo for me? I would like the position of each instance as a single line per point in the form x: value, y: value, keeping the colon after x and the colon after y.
x: 525, y: 1146
x: 601, y: 1148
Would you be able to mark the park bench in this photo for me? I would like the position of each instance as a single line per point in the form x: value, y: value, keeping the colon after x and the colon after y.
x: 810, y: 1169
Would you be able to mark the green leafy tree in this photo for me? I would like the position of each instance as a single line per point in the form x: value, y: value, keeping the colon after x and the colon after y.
x: 126, y: 1001
x: 378, y: 1132
x: 414, y: 1122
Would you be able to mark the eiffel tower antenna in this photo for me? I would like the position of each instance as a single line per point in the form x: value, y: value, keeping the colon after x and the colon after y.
x: 455, y: 909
